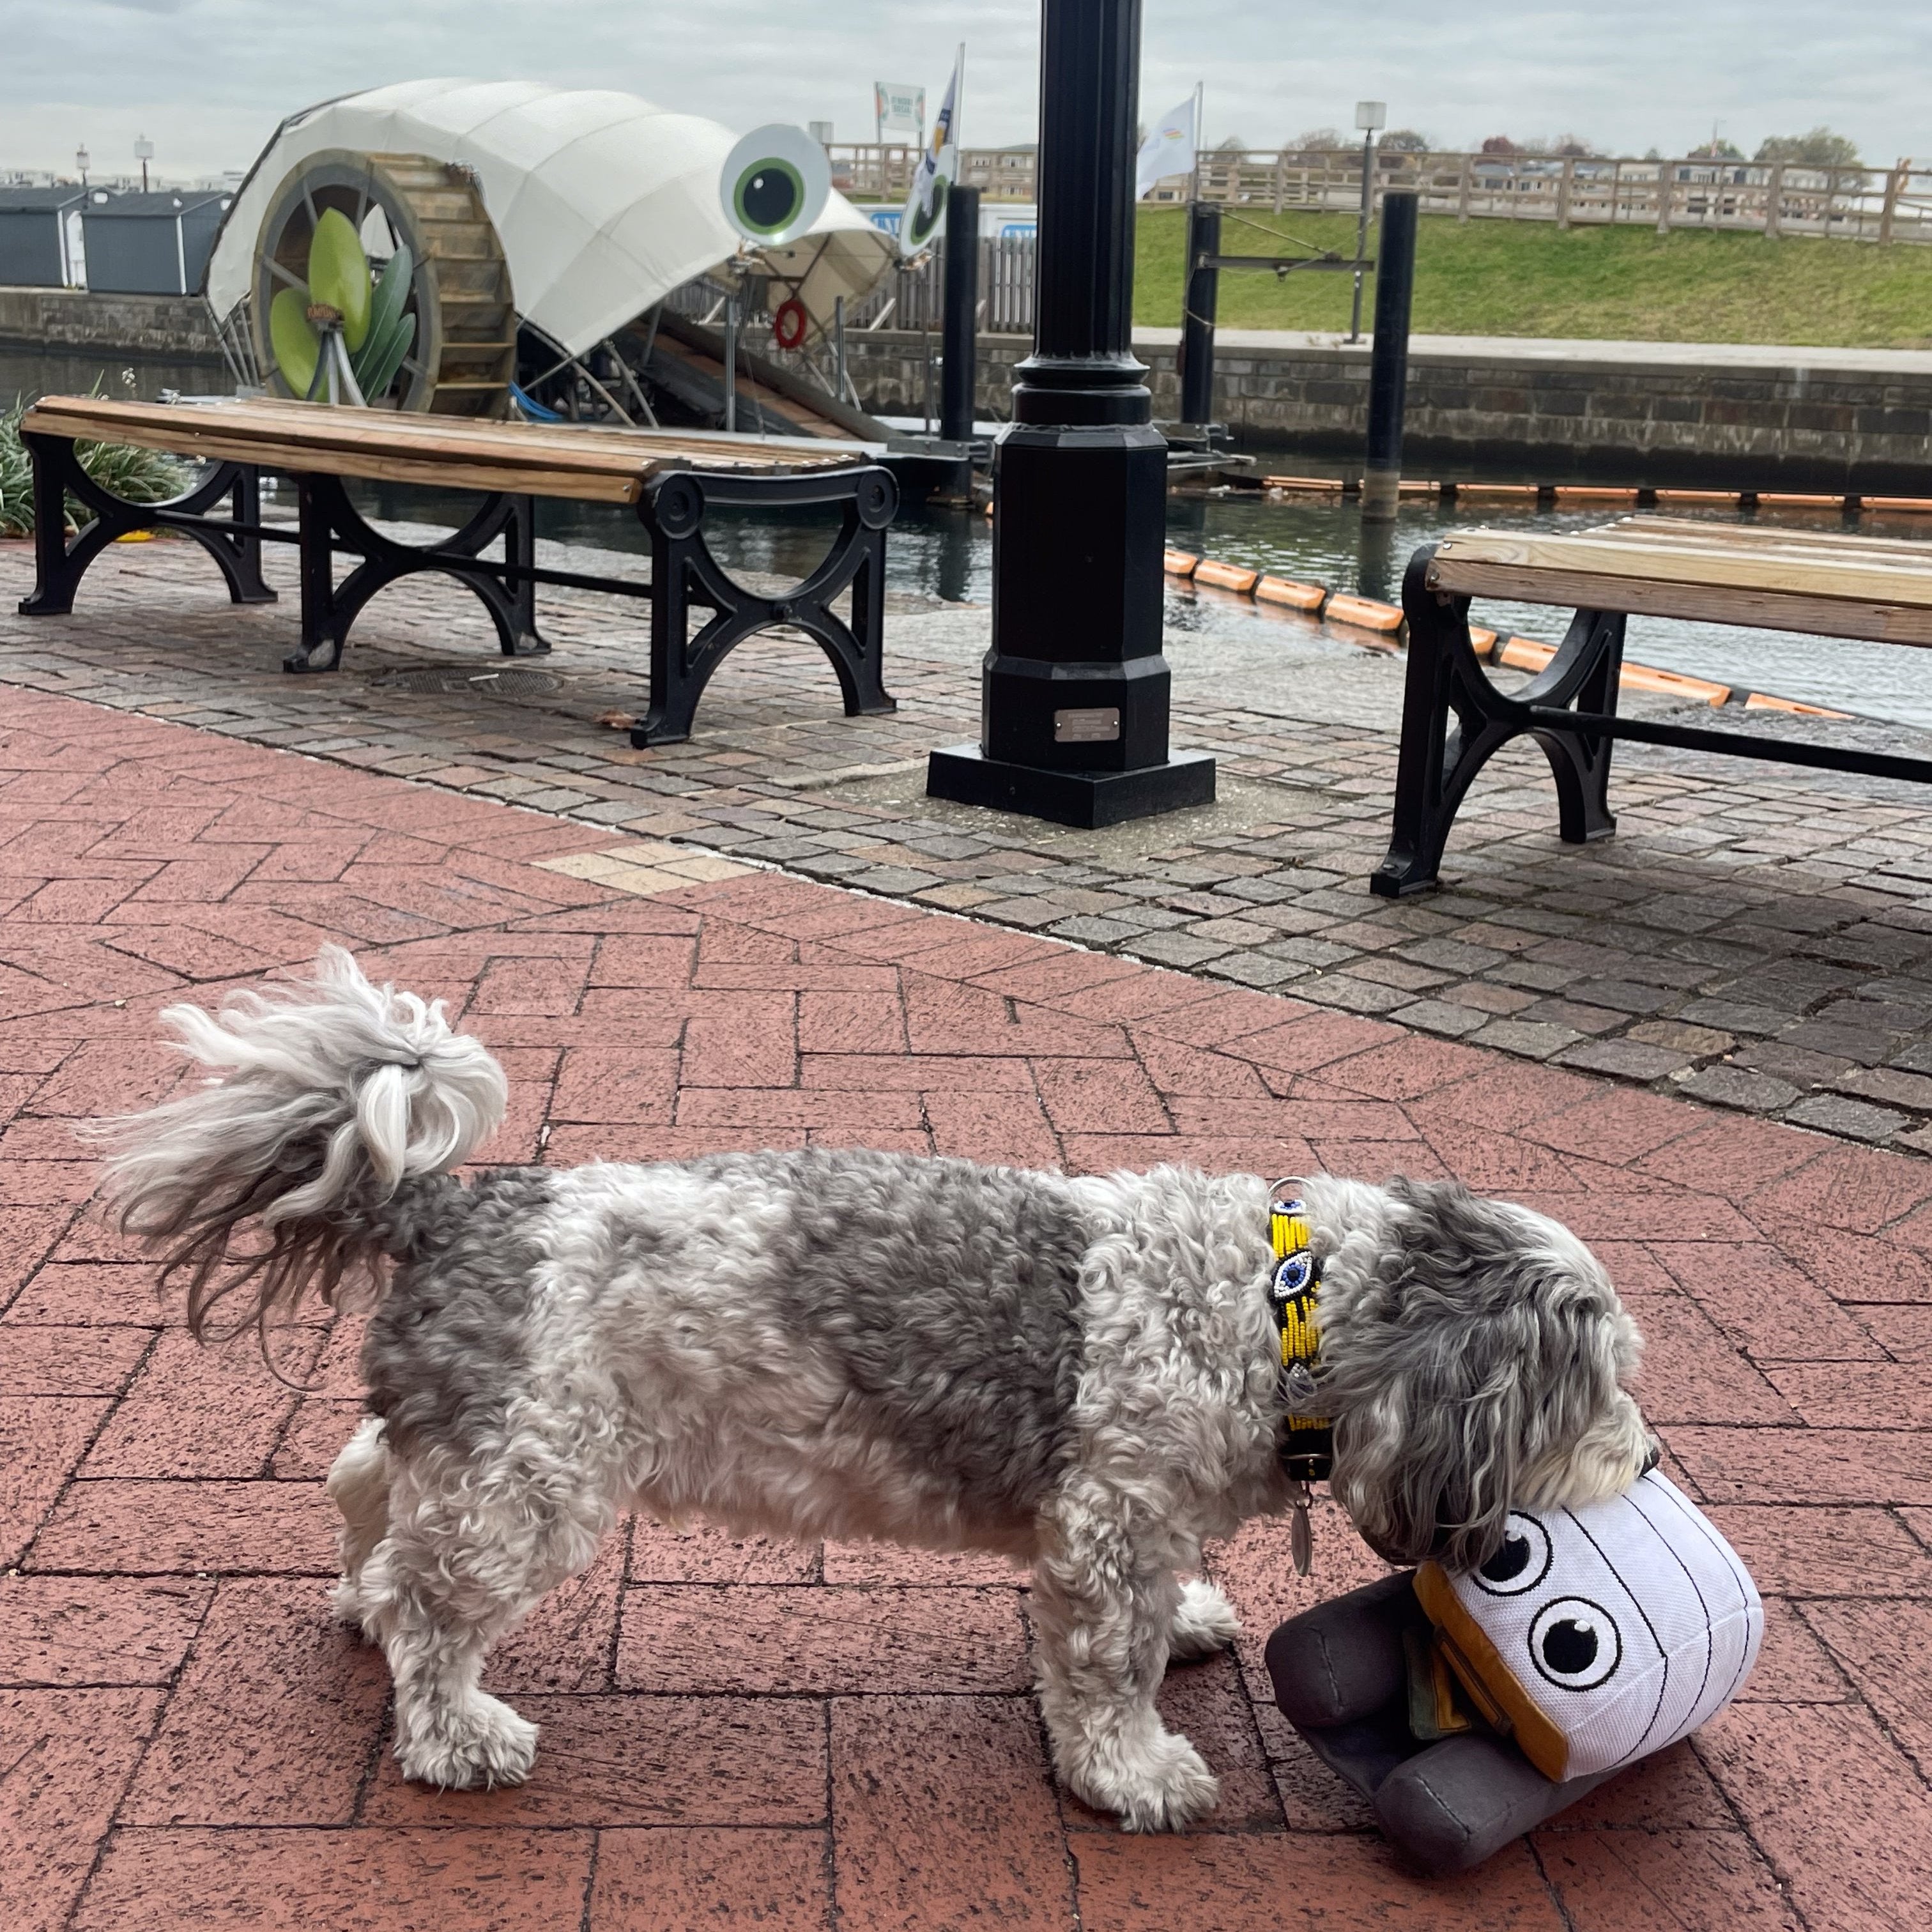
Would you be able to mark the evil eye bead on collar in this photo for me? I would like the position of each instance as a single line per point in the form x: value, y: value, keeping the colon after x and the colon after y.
x: 1294, y: 1276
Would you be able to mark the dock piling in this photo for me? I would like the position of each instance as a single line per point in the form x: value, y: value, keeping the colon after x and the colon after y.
x: 1200, y: 292
x: 958, y: 350
x: 1388, y: 357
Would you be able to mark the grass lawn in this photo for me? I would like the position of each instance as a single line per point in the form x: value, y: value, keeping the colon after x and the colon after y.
x: 1493, y: 277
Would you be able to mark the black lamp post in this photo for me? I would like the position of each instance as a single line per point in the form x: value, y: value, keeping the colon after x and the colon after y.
x: 1075, y: 690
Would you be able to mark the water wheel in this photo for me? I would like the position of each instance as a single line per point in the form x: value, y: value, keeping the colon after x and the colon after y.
x: 464, y: 352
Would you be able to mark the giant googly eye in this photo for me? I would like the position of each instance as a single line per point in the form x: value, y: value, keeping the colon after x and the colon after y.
x: 923, y: 222
x: 774, y: 184
x: 1575, y: 1643
x: 1522, y: 1563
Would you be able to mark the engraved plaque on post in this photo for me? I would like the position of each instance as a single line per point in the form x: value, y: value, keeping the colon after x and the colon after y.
x: 1098, y: 727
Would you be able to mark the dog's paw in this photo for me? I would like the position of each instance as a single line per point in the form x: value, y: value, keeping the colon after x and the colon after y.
x: 1205, y: 1624
x: 480, y: 1745
x: 1159, y: 1788
x: 345, y: 1599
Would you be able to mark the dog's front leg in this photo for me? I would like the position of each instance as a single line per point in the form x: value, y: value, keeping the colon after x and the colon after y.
x: 1105, y: 1619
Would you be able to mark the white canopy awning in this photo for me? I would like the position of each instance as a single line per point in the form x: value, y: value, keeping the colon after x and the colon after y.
x: 603, y: 202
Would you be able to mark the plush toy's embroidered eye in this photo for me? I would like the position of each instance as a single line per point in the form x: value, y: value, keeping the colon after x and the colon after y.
x: 1293, y: 1277
x: 1522, y: 1563
x: 1575, y: 1643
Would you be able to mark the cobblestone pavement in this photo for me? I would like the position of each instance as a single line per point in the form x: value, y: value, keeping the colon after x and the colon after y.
x: 1756, y: 936
x: 738, y: 1732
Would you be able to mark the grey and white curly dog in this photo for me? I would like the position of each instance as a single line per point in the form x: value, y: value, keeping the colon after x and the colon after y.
x: 1080, y: 1375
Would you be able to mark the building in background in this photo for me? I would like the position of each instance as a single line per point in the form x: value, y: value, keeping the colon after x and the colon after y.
x: 41, y: 243
x: 151, y: 244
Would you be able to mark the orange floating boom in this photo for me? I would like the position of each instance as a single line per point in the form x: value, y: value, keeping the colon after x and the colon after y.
x: 1286, y: 590
x: 1673, y: 684
x: 1523, y: 653
x: 1235, y: 577
x: 1364, y: 612
x: 1758, y: 700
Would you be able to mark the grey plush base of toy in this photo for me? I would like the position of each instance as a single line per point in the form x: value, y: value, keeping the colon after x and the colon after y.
x: 1341, y: 1679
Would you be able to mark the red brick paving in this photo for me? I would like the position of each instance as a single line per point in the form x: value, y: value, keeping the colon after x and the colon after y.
x: 739, y: 1731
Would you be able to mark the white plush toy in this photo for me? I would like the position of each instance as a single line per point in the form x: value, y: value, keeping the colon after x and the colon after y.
x: 1596, y: 1637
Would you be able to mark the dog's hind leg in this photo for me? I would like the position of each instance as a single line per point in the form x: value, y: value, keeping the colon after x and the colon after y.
x: 458, y: 1566
x: 1204, y: 1623
x: 358, y: 1485
x: 1106, y: 1618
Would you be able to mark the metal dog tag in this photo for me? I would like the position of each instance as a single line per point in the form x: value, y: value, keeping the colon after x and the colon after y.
x: 1301, y: 1532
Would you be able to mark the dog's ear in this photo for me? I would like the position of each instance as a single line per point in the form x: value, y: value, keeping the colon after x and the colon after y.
x: 1430, y: 1465
x: 1478, y: 1351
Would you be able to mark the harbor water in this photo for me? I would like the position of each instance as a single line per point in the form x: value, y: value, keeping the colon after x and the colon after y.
x: 947, y: 554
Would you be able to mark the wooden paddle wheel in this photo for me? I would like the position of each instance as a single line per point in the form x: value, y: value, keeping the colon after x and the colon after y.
x: 462, y: 356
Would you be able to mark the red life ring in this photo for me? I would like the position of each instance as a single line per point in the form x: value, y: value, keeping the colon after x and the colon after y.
x: 789, y: 324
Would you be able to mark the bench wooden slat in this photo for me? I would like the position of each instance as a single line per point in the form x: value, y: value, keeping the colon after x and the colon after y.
x: 588, y: 464
x: 1717, y: 604
x: 1803, y: 559
x: 1756, y: 537
x: 1472, y: 562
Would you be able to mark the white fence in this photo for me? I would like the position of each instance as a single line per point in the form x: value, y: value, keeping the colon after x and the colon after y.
x: 1784, y: 198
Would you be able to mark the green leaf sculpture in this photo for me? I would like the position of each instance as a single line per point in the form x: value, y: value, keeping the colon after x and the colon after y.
x: 363, y: 337
x: 292, y: 335
x: 391, y: 333
x: 338, y: 274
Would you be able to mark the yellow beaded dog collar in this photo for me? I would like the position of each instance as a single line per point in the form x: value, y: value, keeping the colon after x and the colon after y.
x: 1307, y: 1441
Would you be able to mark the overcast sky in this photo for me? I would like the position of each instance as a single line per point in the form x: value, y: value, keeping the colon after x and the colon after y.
x: 207, y: 80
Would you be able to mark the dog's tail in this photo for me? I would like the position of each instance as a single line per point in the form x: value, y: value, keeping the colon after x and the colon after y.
x: 329, y: 1099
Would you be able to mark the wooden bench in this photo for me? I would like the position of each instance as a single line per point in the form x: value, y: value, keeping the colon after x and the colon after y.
x: 672, y: 481
x: 1822, y: 582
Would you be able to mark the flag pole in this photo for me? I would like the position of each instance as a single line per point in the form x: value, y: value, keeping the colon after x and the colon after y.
x: 1194, y: 179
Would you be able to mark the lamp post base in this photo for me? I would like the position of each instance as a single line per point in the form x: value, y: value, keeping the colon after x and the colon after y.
x: 1086, y: 800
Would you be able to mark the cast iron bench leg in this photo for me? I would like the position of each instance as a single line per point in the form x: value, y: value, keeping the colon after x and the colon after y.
x: 330, y: 522
x: 60, y: 563
x: 1435, y: 766
x: 684, y: 573
x: 519, y: 638
x: 240, y: 555
x: 323, y: 630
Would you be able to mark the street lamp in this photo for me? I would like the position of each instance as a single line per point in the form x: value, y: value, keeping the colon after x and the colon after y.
x: 144, y: 153
x: 1074, y: 692
x: 1370, y: 115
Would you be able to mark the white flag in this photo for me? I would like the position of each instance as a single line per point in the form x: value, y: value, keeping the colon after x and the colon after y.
x: 1168, y: 149
x: 925, y: 205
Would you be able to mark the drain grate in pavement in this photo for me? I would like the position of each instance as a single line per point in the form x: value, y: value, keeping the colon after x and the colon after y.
x: 512, y: 682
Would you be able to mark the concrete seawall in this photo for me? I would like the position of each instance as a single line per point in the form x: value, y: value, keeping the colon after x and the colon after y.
x: 176, y: 327
x: 1836, y: 418
x: 1749, y: 417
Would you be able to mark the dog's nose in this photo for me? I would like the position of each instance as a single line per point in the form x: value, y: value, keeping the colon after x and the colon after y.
x: 1655, y: 1456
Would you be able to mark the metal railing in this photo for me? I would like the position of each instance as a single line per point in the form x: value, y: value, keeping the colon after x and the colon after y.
x: 1872, y: 204
x: 910, y: 297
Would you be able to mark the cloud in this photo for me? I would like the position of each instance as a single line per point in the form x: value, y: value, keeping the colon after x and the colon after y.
x: 207, y: 79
